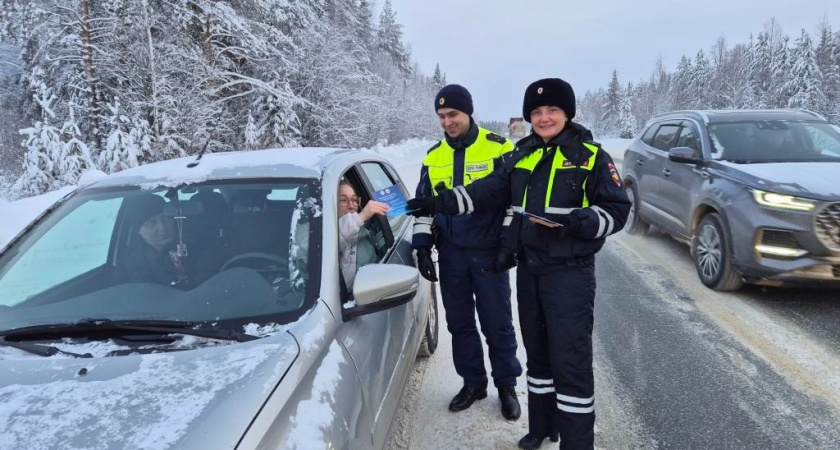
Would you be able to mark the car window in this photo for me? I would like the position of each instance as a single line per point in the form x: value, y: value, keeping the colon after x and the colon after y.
x: 689, y: 138
x: 229, y: 252
x: 824, y: 140
x: 358, y: 245
x: 648, y: 136
x: 775, y: 141
x: 45, y: 264
x: 665, y: 137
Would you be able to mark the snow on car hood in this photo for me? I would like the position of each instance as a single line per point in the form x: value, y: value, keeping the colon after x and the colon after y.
x: 203, y: 398
x: 807, y: 179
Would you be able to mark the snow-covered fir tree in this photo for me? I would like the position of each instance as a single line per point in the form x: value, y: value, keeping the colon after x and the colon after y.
x: 805, y: 85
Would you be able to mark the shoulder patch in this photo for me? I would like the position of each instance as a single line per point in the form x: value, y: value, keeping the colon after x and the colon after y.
x: 434, y: 147
x: 496, y: 138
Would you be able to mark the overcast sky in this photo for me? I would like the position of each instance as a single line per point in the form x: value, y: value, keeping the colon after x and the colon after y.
x: 495, y: 48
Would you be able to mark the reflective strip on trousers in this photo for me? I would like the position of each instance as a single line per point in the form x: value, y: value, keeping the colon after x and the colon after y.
x: 567, y: 404
x: 540, y: 385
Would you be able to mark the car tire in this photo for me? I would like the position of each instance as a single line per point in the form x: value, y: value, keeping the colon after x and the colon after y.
x: 713, y: 255
x: 430, y: 335
x: 635, y: 224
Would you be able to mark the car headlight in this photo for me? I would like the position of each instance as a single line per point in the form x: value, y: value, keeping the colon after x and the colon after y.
x: 782, y: 201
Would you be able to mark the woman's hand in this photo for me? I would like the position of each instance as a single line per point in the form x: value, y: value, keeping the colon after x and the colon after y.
x: 373, y: 208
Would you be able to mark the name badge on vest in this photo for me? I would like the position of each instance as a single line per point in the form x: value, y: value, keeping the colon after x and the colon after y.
x: 477, y: 167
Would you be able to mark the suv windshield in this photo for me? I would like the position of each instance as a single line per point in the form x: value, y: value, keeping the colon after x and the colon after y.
x: 228, y: 252
x: 775, y: 141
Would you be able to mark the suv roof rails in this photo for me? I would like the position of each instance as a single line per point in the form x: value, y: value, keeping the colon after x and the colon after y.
x: 698, y: 112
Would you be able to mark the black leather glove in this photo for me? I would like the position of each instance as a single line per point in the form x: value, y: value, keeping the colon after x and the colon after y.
x: 425, y: 264
x: 505, y: 260
x: 423, y: 206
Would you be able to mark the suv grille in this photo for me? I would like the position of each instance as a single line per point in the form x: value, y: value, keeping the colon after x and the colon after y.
x: 827, y: 226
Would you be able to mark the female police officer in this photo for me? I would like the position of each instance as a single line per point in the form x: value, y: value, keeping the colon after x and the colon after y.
x: 569, y: 197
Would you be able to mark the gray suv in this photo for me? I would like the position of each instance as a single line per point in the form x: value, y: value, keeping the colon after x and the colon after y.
x: 755, y: 193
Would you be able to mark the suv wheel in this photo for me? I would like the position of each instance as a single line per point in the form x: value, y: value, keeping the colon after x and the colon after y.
x: 712, y: 256
x: 430, y: 337
x: 635, y: 224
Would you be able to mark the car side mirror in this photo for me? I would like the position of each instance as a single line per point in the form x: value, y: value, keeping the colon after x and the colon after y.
x: 684, y: 155
x: 378, y: 287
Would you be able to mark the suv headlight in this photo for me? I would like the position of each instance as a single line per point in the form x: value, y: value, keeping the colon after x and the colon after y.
x: 782, y: 201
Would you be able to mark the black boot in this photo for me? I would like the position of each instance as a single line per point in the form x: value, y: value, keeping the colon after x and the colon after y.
x: 533, y: 442
x: 465, y: 398
x: 510, y: 404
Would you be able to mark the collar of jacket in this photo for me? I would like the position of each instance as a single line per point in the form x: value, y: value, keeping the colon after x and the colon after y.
x: 465, y: 140
x: 571, y: 134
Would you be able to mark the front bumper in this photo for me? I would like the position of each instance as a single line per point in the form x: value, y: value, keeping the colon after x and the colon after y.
x: 774, y: 246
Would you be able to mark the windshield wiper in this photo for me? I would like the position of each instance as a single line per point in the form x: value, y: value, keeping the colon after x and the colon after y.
x: 165, y: 327
x: 41, y: 350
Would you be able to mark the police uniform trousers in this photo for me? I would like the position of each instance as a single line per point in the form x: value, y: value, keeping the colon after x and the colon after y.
x: 556, y: 313
x: 469, y: 284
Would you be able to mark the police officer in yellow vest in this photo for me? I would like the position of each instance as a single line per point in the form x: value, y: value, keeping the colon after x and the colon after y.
x: 468, y: 247
x: 568, y: 197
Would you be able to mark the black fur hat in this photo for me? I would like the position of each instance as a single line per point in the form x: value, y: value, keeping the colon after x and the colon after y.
x: 549, y: 92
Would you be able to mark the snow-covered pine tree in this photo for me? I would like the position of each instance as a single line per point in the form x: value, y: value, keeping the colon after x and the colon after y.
x: 43, y: 144
x: 700, y: 81
x: 123, y: 145
x: 744, y: 88
x: 805, y: 85
x: 626, y: 120
x: 389, y: 38
x: 612, y: 106
x: 437, y: 79
x: 828, y: 60
x: 681, y: 94
x: 75, y: 156
x: 780, y: 73
x: 253, y: 134
x: 761, y: 70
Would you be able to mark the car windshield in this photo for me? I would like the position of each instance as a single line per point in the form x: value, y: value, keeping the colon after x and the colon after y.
x: 226, y: 253
x: 775, y: 141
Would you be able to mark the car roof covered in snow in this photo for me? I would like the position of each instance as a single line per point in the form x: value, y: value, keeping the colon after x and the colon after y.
x: 301, y: 162
x: 741, y: 115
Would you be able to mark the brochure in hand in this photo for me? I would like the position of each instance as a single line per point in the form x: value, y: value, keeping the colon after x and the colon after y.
x: 394, y: 198
x: 539, y: 219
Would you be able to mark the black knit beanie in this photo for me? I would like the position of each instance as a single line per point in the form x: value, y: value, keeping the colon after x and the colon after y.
x: 549, y: 92
x: 456, y: 97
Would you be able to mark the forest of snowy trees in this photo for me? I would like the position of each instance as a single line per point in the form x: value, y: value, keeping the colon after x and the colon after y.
x: 770, y: 70
x: 111, y: 84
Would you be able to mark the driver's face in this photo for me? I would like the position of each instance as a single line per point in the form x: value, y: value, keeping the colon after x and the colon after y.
x: 158, y: 231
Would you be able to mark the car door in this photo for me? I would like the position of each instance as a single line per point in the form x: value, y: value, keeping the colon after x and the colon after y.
x: 651, y: 170
x: 377, y: 342
x: 680, y: 180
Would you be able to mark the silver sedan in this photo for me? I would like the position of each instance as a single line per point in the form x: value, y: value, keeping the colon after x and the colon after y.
x: 203, y: 306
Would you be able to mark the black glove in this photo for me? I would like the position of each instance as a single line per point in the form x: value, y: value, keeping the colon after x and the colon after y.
x: 425, y: 264
x: 423, y: 206
x: 570, y: 222
x: 505, y: 260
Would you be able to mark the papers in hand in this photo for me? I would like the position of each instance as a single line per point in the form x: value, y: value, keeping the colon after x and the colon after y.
x: 394, y: 198
x: 538, y: 219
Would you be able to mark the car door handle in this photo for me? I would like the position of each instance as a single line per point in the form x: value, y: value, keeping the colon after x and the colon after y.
x: 667, y: 172
x: 640, y: 163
